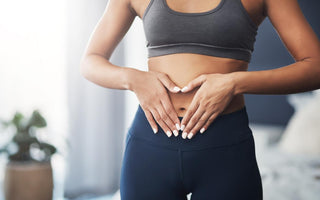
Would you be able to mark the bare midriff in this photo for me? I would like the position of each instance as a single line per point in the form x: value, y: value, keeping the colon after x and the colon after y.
x: 184, y: 67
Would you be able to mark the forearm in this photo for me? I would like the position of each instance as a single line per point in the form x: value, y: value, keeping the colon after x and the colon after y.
x: 100, y: 71
x: 301, y: 76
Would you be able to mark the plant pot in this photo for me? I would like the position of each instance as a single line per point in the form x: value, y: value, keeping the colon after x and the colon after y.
x: 28, y: 181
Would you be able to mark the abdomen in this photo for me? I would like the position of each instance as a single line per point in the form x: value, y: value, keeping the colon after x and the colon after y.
x: 184, y: 67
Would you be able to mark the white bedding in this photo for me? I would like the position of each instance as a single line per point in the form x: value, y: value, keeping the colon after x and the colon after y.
x: 285, y: 176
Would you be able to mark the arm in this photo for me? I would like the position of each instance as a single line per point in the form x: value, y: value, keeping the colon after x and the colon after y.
x: 148, y: 86
x: 109, y: 31
x: 302, y: 43
x: 303, y: 75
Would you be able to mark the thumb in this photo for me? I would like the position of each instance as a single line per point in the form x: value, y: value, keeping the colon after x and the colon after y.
x: 168, y: 83
x: 194, y: 83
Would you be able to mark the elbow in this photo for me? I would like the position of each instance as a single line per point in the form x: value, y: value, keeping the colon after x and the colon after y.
x: 313, y: 64
x: 317, y: 72
x: 83, y: 71
x: 83, y: 68
x: 317, y: 69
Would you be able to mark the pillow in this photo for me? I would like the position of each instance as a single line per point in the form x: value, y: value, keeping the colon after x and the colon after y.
x: 302, y: 134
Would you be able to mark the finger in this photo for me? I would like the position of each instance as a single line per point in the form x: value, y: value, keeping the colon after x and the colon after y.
x: 194, y: 83
x: 167, y: 120
x: 168, y: 107
x: 161, y: 123
x: 199, y: 125
x: 151, y: 121
x: 192, y: 122
x: 209, y: 121
x: 190, y: 111
x: 168, y: 83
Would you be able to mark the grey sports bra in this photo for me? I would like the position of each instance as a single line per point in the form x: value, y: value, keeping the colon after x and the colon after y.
x: 224, y: 31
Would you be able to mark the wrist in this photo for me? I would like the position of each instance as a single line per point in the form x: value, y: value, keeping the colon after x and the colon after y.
x: 236, y: 78
x: 131, y: 76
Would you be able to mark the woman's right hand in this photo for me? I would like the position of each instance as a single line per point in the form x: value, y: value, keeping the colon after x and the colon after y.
x: 151, y: 88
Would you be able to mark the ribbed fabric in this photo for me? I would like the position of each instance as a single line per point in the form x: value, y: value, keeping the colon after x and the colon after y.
x: 224, y: 31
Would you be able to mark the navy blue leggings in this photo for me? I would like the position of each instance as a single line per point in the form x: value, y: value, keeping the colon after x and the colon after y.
x: 219, y: 164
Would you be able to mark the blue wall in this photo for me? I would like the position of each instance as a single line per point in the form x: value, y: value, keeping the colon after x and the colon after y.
x: 270, y: 53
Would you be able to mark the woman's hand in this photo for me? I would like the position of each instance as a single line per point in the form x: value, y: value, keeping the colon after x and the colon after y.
x: 151, y: 90
x: 215, y: 93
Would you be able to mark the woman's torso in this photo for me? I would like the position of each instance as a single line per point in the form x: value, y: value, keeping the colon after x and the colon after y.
x: 184, y: 67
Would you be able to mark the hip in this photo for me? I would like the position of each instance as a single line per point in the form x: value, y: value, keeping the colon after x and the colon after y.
x: 226, y: 129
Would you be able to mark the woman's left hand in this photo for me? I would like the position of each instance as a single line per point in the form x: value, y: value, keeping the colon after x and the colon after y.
x: 215, y: 93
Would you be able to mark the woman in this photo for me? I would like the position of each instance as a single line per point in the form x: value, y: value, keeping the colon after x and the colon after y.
x: 197, y: 74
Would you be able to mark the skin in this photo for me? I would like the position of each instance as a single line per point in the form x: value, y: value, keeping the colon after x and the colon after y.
x: 214, y: 86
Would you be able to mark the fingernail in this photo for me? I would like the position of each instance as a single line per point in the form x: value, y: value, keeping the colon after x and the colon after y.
x: 190, y: 135
x: 169, y: 133
x: 182, y: 127
x: 184, y: 89
x: 184, y: 135
x: 202, y: 130
x: 154, y: 131
x: 178, y: 127
x: 176, y: 89
x: 175, y: 132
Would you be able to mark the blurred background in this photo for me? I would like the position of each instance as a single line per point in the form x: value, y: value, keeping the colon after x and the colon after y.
x: 82, y: 126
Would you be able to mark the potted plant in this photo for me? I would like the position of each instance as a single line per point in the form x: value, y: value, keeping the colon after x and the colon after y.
x: 28, y: 173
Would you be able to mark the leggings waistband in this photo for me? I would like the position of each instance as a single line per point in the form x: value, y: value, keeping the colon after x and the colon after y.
x: 226, y: 129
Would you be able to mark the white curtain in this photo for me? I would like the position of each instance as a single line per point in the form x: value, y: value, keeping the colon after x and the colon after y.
x: 96, y: 114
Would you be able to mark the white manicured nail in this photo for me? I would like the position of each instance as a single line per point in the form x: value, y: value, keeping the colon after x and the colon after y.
x: 190, y: 135
x: 176, y: 89
x: 184, y: 89
x: 182, y: 127
x: 175, y: 132
x: 178, y: 127
x: 184, y: 135
x: 202, y: 130
x: 154, y: 131
x: 169, y: 133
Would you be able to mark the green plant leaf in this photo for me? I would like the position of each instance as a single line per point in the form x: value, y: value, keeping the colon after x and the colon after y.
x: 25, y: 137
x: 4, y: 150
x: 21, y: 138
x: 37, y: 120
x: 51, y: 148
x: 21, y: 156
x: 18, y: 117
